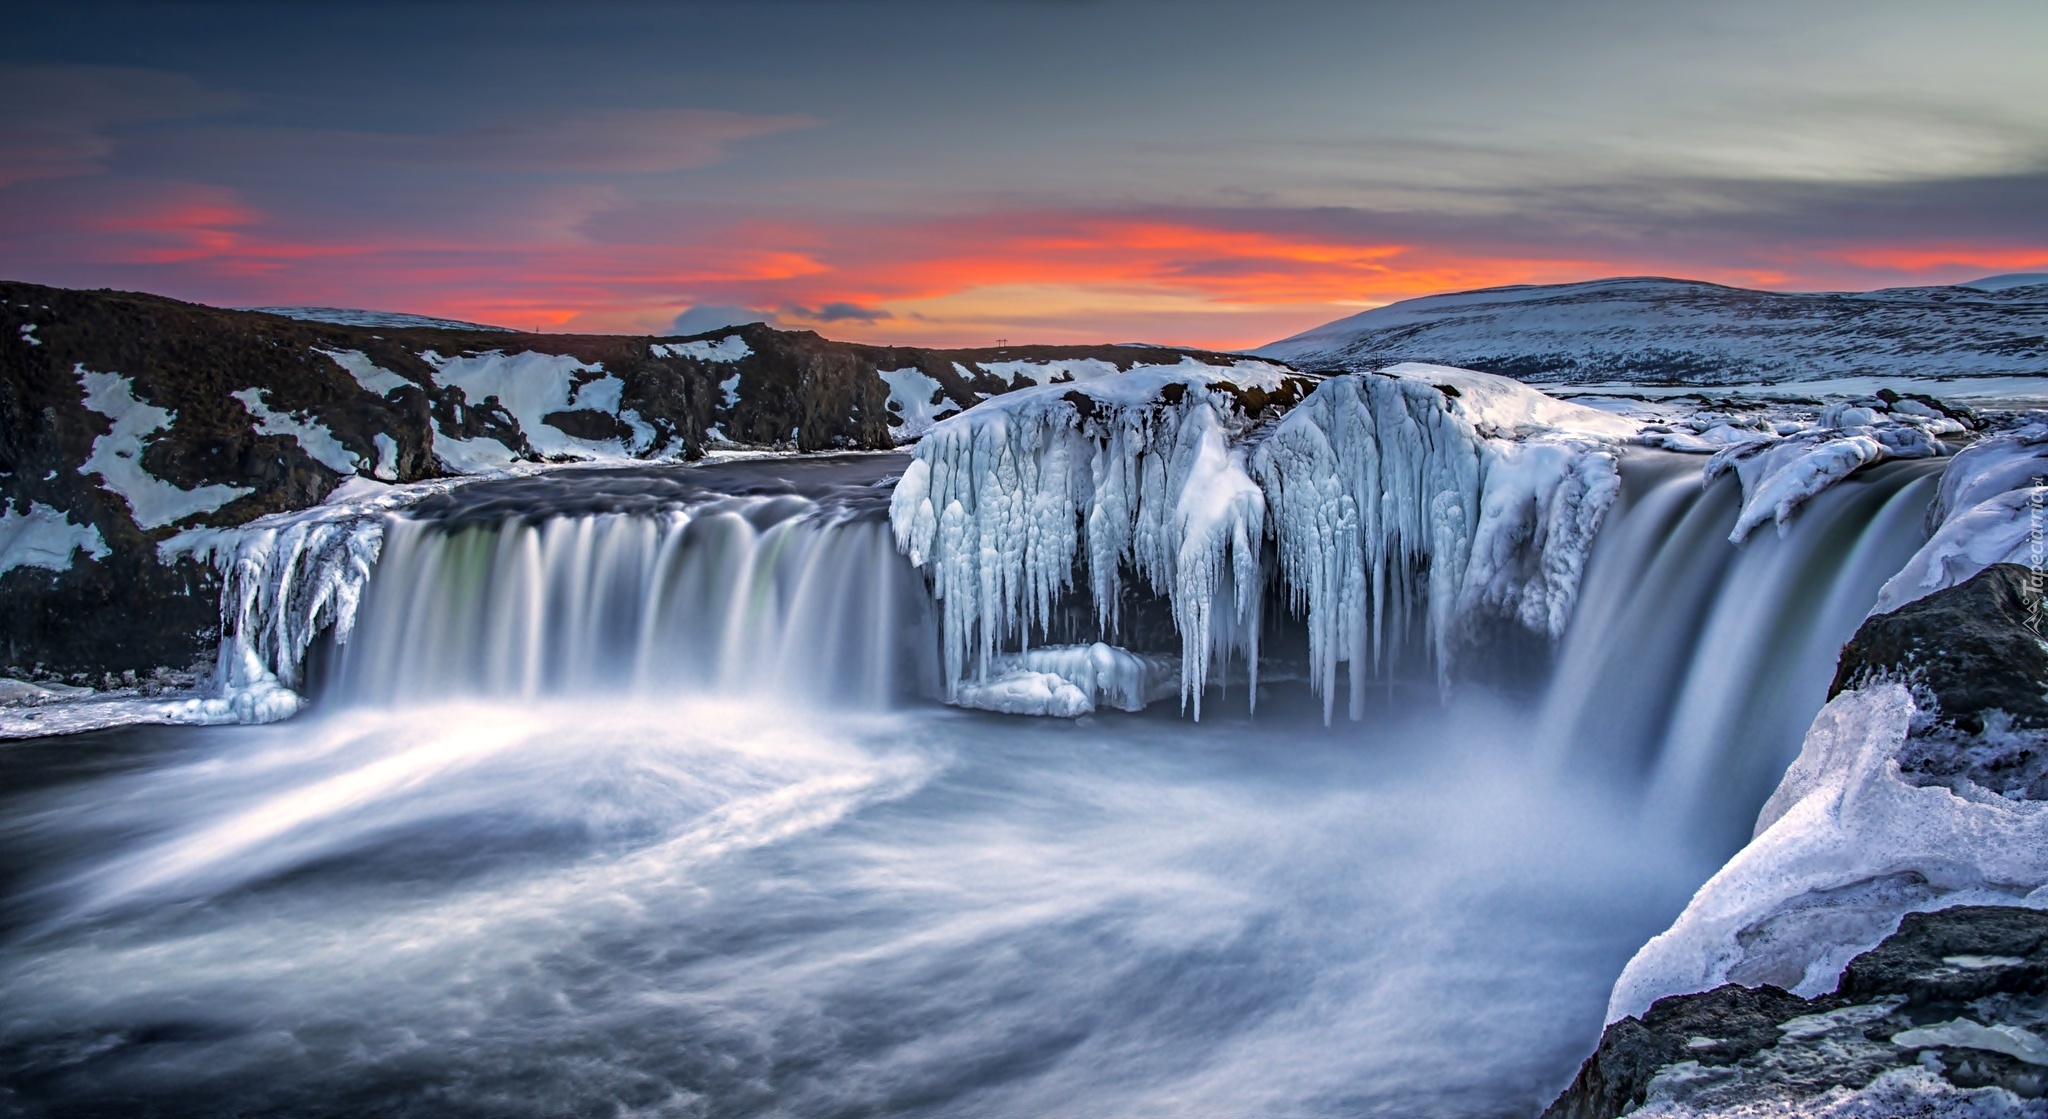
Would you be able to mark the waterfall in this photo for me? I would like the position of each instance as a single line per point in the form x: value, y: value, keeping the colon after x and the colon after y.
x: 1694, y: 665
x: 739, y: 598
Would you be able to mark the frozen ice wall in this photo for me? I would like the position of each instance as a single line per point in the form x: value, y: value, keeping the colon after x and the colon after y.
x: 1462, y: 494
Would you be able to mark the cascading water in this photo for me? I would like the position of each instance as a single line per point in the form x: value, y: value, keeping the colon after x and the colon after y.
x: 737, y: 597
x: 1694, y: 665
x: 619, y: 800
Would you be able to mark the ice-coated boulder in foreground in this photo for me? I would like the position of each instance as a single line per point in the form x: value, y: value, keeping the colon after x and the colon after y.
x: 1919, y: 786
x: 1467, y: 498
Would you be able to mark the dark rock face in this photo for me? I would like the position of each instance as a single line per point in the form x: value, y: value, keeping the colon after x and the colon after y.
x: 276, y: 412
x: 1895, y: 1009
x: 1973, y: 647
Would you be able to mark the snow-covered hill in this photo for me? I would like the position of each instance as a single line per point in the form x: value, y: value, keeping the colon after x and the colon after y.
x: 1685, y: 331
x: 394, y: 320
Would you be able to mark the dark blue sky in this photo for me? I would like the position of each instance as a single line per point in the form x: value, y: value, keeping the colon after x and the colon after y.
x: 1219, y: 173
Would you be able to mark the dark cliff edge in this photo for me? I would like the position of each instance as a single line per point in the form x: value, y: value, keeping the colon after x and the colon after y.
x: 126, y: 419
x: 1958, y: 995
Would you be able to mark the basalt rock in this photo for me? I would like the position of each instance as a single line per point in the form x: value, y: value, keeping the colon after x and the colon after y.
x: 1949, y: 1003
x: 1974, y: 649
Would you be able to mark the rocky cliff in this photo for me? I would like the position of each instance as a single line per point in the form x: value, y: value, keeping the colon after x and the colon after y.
x: 129, y: 422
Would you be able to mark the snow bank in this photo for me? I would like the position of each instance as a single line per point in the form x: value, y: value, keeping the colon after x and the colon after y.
x: 1457, y: 493
x: 1988, y: 508
x: 1069, y: 680
x: 117, y: 456
x: 373, y: 377
x: 1143, y: 462
x: 44, y: 537
x: 1843, y: 849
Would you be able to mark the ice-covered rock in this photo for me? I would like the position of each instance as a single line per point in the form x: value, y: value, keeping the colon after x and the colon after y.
x: 1844, y: 847
x: 1778, y: 475
x: 1460, y: 493
x: 1137, y: 474
x: 1988, y: 508
x: 1070, y: 680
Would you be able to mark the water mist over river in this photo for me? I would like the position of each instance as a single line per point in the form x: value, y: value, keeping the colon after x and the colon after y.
x: 520, y: 873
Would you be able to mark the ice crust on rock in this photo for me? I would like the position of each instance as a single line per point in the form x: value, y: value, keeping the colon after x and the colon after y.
x: 1069, y: 680
x: 1778, y: 475
x: 1471, y: 497
x: 989, y: 509
x: 1843, y: 849
x: 286, y: 578
x: 1987, y: 509
x: 1389, y: 492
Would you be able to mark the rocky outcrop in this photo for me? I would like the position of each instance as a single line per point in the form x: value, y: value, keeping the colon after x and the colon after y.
x: 1971, y: 650
x: 130, y: 422
x: 1947, y: 1008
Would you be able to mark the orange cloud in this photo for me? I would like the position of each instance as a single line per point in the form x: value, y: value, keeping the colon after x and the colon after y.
x: 1210, y: 278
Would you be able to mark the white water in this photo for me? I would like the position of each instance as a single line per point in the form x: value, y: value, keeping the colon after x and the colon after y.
x: 630, y: 808
x: 1695, y: 665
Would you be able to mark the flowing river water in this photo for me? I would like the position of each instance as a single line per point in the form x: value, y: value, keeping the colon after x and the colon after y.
x: 626, y: 798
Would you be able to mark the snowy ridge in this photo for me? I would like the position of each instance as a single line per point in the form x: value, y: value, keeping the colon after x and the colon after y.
x: 1683, y: 331
x: 1844, y: 847
x: 394, y: 320
x: 1469, y: 496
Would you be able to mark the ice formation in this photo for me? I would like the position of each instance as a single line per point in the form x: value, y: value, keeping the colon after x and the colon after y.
x: 1460, y: 493
x: 1148, y: 464
x: 1988, y: 508
x: 1470, y: 496
x: 1843, y: 849
x: 1778, y: 475
x: 1070, y: 680
x: 284, y: 579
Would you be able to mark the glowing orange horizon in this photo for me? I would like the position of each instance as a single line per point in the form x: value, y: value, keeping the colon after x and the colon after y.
x: 1051, y: 275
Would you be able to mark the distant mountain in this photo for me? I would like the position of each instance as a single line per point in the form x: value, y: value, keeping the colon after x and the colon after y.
x: 395, y: 320
x: 1688, y: 332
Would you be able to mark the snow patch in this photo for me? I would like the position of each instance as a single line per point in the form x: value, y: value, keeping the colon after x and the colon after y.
x: 732, y: 347
x: 28, y: 334
x: 117, y: 456
x: 313, y: 438
x: 1065, y: 681
x: 44, y: 537
x: 917, y: 398
x: 373, y: 377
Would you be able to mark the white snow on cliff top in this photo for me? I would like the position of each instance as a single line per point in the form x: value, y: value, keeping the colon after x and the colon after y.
x: 395, y: 320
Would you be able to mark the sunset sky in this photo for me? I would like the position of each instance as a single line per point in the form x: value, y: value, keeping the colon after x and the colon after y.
x: 954, y: 172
